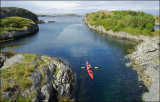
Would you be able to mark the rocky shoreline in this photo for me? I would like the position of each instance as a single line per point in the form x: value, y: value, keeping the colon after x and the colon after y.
x: 50, y: 79
x: 145, y: 60
x: 122, y: 35
x: 14, y: 34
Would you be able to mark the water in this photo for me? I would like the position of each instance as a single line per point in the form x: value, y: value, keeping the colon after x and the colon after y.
x: 157, y: 27
x: 69, y: 38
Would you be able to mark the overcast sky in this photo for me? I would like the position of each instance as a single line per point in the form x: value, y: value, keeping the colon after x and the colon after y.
x: 82, y: 7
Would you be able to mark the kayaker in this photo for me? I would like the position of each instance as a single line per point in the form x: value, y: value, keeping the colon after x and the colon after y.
x: 90, y: 68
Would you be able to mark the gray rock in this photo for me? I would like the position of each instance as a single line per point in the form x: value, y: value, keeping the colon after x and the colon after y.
x: 146, y: 57
x: 36, y: 79
x: 26, y: 93
x: 8, y: 95
x: 51, y: 21
x: 46, y: 91
x: 41, y: 21
x: 12, y: 61
x: 3, y: 57
x: 52, y: 67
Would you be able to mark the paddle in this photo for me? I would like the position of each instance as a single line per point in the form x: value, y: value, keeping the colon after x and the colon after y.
x: 95, y: 67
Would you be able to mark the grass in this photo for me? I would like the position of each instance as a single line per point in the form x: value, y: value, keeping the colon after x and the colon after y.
x: 18, y: 75
x: 14, y: 23
x: 14, y: 47
x: 56, y: 71
x: 65, y: 99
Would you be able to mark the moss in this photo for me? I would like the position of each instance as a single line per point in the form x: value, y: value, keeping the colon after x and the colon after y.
x: 65, y: 99
x: 43, y: 79
x: 20, y: 98
x: 56, y: 71
x: 46, y: 58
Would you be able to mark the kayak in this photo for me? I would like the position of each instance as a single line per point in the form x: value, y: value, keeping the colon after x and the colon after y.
x: 90, y: 72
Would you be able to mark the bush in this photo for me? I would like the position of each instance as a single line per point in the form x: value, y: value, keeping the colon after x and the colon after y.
x: 150, y: 27
x: 131, y: 21
x: 103, y: 16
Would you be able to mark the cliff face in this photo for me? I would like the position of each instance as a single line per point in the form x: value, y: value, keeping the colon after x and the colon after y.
x: 19, y: 12
x: 146, y: 61
x: 36, y: 78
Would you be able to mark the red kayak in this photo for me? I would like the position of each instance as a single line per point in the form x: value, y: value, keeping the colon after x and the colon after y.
x: 89, y: 70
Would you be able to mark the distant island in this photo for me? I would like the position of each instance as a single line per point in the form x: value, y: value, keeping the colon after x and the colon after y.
x: 73, y: 15
x: 41, y: 15
x: 55, y: 15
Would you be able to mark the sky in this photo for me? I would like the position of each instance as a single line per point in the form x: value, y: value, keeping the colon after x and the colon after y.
x: 82, y: 7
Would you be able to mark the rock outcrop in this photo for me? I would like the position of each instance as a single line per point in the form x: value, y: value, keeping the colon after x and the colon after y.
x: 19, y: 12
x: 146, y: 61
x: 41, y: 22
x: 13, y: 34
x: 51, y: 21
x: 122, y: 35
x: 45, y: 79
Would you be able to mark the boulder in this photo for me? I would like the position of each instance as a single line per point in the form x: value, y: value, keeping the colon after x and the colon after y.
x: 41, y: 21
x: 12, y: 61
x: 51, y: 21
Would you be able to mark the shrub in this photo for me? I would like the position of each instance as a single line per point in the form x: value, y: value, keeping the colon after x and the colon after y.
x: 129, y: 21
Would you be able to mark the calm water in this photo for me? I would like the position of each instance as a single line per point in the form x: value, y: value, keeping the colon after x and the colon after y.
x: 69, y: 38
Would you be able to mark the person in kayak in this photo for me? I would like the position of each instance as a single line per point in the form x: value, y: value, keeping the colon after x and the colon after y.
x: 89, y: 68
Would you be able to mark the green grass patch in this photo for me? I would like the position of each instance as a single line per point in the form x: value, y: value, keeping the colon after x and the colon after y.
x: 14, y: 23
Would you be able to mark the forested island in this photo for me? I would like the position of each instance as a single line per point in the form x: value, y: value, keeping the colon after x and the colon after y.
x: 59, y: 15
x: 128, y: 21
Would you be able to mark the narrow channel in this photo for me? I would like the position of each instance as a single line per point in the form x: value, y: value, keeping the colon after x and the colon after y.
x: 69, y: 38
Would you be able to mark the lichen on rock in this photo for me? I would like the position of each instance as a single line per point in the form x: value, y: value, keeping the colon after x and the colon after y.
x: 31, y: 78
